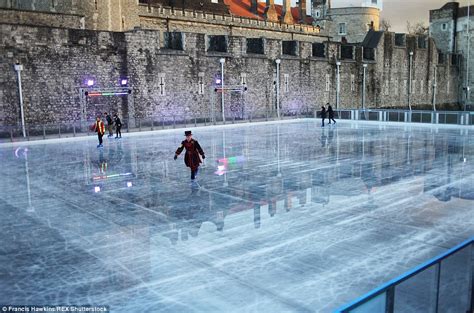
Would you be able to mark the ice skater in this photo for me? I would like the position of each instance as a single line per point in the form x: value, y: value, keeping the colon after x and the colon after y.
x: 118, y: 126
x: 331, y: 114
x: 192, y: 157
x: 99, y: 127
x: 110, y: 125
x: 323, y: 115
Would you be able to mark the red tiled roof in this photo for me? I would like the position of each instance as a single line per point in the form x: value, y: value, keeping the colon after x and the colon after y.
x: 242, y: 8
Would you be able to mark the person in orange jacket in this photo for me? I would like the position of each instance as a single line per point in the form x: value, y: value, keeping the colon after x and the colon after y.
x: 99, y: 127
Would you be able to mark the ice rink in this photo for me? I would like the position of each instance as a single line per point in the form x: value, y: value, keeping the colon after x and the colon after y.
x: 287, y: 217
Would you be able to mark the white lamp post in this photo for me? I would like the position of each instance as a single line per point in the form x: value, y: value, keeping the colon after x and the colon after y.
x: 363, y: 86
x: 18, y: 69
x: 410, y: 79
x: 222, y: 61
x: 278, y: 61
x: 338, y: 83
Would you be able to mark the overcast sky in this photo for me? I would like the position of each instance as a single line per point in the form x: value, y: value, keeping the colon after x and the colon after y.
x: 398, y: 12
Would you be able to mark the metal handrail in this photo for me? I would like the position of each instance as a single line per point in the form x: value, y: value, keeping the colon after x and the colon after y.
x: 400, y: 279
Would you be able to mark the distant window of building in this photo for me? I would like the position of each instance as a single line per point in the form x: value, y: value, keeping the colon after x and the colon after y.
x: 255, y: 45
x: 201, y: 83
x: 444, y: 26
x: 318, y: 14
x: 374, y: 2
x: 243, y: 79
x: 422, y: 87
x: 448, y: 87
x: 162, y: 84
x: 400, y: 40
x: 319, y: 50
x: 429, y: 87
x: 405, y: 86
x: 217, y: 43
x: 289, y: 47
x: 287, y: 82
x: 369, y: 54
x: 347, y: 52
x: 395, y: 86
x: 328, y: 82
x: 173, y: 40
x: 441, y: 57
x: 342, y: 29
x: 422, y: 40
x: 352, y: 82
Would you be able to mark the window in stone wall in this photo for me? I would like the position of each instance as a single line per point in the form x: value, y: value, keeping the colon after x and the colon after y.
x: 173, y: 40
x: 422, y: 42
x: 319, y: 50
x: 217, y: 43
x: 422, y: 87
x: 448, y: 87
x: 413, y: 87
x: 441, y: 58
x: 255, y: 45
x: 243, y: 79
x: 289, y: 47
x: 353, y: 82
x: 387, y: 87
x: 328, y: 82
x: 201, y: 83
x: 369, y: 54
x: 395, y: 86
x: 342, y: 29
x: 162, y: 84
x: 347, y: 52
x: 405, y: 86
x: 429, y: 87
x: 444, y: 27
x: 287, y: 82
x: 400, y: 40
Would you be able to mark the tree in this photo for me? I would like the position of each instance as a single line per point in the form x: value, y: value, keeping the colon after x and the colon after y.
x: 385, y: 25
x: 418, y: 28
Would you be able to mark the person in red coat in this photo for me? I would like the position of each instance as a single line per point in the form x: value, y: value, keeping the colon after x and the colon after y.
x: 192, y: 157
x: 99, y: 127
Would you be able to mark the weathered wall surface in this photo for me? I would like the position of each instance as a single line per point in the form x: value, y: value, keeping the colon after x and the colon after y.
x: 180, y: 83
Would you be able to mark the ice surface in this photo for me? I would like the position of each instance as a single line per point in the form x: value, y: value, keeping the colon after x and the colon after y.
x: 289, y: 217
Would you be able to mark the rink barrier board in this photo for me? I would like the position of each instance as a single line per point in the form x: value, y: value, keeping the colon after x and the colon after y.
x: 383, y: 298
x: 57, y: 130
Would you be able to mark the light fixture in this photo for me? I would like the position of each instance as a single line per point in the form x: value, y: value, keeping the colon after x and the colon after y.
x: 129, y: 184
x: 97, y: 189
x: 123, y: 82
x: 90, y: 82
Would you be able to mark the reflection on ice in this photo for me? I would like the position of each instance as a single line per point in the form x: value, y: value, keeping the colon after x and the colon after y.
x: 283, y: 217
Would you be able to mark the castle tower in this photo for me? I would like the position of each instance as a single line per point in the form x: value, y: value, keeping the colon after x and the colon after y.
x: 320, y: 9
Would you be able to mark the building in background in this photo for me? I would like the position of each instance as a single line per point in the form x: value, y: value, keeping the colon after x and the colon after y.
x: 452, y: 28
x: 348, y: 24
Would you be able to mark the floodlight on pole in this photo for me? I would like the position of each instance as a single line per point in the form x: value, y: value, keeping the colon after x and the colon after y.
x: 278, y: 61
x: 222, y: 61
x: 18, y: 68
x: 338, y: 84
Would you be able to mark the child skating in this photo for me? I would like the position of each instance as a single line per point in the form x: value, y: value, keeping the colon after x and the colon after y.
x: 193, y: 151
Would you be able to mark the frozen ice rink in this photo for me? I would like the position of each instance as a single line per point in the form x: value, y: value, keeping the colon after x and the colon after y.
x: 289, y: 217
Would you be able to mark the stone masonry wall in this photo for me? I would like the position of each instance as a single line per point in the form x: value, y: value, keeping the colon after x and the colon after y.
x: 166, y: 83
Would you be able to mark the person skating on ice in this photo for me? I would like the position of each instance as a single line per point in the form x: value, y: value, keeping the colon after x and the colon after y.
x: 193, y: 150
x: 99, y: 127
x: 331, y: 114
x: 110, y: 125
x: 323, y: 115
x: 118, y: 126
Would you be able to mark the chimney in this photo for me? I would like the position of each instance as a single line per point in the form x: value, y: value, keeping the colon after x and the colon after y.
x: 270, y: 11
x: 253, y: 6
x: 302, y: 4
x: 287, y: 16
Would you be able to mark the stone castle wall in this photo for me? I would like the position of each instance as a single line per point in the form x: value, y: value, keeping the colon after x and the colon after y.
x: 57, y: 61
